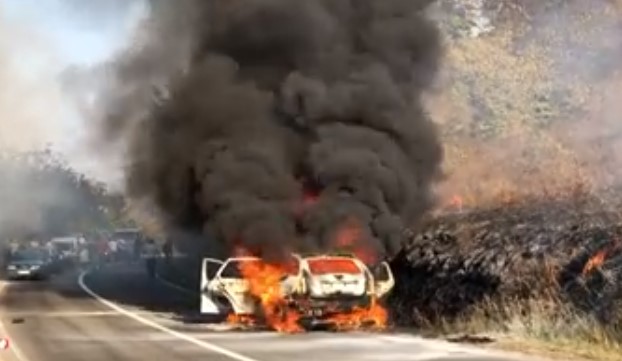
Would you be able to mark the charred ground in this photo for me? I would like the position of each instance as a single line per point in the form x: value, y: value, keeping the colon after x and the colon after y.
x: 564, y: 255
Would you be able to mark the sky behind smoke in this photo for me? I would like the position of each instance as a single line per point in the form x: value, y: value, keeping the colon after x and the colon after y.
x: 40, y: 39
x: 82, y: 32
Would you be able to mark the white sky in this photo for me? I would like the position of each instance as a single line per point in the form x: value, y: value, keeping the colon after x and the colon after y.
x: 39, y: 39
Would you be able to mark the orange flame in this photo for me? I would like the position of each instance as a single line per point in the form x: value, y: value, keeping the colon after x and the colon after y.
x: 595, y: 261
x: 599, y: 258
x: 457, y: 202
x: 241, y: 319
x: 349, y: 237
x: 265, y: 283
x: 360, y: 316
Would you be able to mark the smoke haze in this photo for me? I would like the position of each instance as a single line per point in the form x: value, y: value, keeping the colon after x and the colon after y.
x: 272, y: 124
x: 29, y: 97
x: 40, y: 137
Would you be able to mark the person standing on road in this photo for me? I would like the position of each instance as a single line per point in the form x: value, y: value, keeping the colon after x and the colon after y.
x: 84, y: 257
x: 150, y: 253
x: 138, y: 248
x: 102, y: 251
x: 167, y: 249
x: 113, y: 249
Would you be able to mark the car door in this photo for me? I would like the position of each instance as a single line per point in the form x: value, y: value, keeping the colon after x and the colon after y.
x: 209, y: 270
x: 383, y: 279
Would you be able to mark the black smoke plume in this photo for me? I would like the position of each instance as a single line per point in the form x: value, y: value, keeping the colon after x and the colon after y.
x: 263, y: 104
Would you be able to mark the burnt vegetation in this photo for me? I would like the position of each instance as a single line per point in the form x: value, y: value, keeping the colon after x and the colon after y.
x: 526, y: 241
x: 567, y: 251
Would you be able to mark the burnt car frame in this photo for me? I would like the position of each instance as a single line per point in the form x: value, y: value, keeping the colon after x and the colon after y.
x: 315, y: 289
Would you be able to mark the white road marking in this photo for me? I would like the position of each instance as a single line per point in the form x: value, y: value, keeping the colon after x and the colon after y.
x: 203, y: 344
x: 436, y: 348
x: 19, y: 355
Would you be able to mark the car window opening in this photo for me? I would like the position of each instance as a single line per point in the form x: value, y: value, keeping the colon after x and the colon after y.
x: 232, y: 269
x: 333, y: 265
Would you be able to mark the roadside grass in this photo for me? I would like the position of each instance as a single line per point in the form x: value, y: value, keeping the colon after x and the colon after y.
x: 543, y: 327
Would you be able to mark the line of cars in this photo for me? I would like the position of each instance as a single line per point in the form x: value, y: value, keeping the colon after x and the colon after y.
x: 38, y: 261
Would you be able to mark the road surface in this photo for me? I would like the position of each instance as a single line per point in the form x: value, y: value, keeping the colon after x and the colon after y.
x: 118, y: 315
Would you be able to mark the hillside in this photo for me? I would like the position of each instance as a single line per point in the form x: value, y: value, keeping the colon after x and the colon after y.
x: 525, y: 241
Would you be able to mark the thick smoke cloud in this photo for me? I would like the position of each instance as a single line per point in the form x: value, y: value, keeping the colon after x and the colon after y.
x: 276, y: 123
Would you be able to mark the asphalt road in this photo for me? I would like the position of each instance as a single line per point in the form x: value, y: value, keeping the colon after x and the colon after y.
x: 118, y: 315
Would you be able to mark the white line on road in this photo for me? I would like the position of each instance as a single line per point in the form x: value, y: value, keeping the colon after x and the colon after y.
x: 203, y: 344
x: 19, y: 355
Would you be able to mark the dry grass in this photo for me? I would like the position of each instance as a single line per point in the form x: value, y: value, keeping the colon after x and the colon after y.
x: 545, y: 327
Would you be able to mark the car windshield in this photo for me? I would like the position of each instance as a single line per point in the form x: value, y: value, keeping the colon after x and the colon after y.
x: 232, y: 269
x: 28, y: 255
x: 320, y: 266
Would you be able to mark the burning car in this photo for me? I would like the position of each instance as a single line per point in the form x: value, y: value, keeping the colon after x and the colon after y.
x: 301, y: 293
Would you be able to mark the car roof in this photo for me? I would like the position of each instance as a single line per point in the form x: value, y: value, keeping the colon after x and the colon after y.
x: 297, y: 256
x: 248, y: 258
x: 328, y: 256
x: 64, y: 239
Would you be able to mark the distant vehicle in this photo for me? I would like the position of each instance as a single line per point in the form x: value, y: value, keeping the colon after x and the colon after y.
x: 317, y: 288
x: 29, y: 264
x: 126, y: 234
x: 125, y: 238
x: 66, y: 247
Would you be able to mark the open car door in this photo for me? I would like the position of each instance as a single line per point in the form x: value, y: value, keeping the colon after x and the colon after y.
x: 383, y: 280
x: 209, y: 269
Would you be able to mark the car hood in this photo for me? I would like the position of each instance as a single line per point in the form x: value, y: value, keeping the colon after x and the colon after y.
x: 26, y: 263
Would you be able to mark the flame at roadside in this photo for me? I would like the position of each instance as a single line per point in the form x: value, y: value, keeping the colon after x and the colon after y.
x: 376, y: 316
x: 599, y: 258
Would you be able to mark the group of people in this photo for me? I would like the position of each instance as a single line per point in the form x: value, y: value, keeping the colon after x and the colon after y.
x: 113, y: 250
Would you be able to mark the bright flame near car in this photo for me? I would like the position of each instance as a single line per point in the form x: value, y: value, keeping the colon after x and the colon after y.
x: 265, y: 283
x: 278, y: 309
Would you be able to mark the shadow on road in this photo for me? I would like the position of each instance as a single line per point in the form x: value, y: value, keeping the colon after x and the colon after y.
x: 128, y: 285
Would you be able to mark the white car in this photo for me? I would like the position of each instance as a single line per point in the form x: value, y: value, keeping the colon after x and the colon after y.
x: 317, y: 288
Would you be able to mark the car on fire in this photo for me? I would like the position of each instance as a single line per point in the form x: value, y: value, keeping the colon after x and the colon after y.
x: 317, y: 288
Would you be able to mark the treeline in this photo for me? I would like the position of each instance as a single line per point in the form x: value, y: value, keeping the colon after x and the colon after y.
x: 41, y: 196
